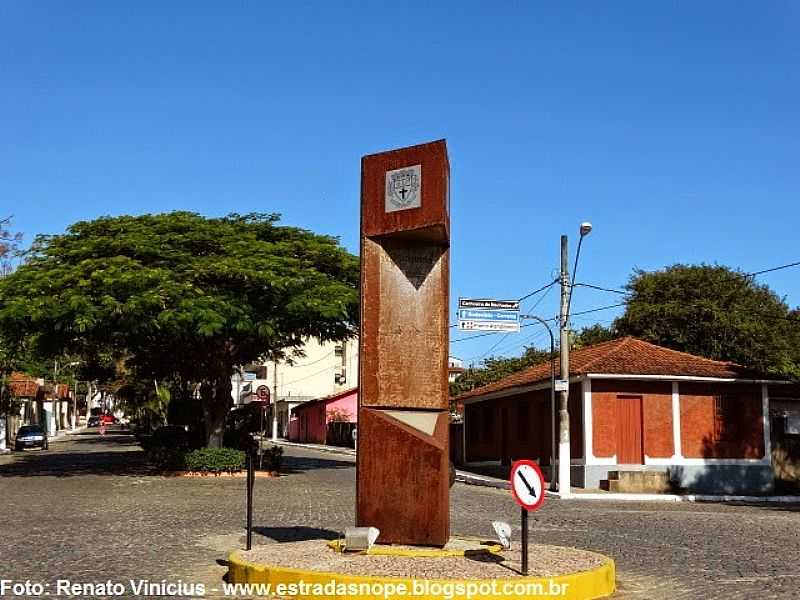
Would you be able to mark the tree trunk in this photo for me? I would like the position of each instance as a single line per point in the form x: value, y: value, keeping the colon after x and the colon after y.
x: 215, y: 397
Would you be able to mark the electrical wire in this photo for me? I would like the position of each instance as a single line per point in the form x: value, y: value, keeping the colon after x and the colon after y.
x: 541, y: 289
x: 602, y: 289
x: 786, y: 266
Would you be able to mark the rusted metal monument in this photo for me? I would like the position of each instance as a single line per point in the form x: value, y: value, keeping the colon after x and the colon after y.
x: 403, y: 419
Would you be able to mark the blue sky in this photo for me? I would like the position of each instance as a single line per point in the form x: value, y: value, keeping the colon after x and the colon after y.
x: 673, y: 127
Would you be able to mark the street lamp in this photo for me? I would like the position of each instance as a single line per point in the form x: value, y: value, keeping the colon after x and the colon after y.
x: 553, y: 459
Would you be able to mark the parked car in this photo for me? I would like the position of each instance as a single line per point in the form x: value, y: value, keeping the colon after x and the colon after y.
x: 30, y: 436
x: 93, y: 421
x: 108, y: 419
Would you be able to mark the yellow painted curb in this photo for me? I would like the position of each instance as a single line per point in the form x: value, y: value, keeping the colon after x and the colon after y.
x: 386, y: 550
x: 583, y: 585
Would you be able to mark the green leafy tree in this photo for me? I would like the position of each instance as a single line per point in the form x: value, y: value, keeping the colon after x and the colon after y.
x: 182, y: 296
x: 716, y: 312
x: 593, y: 334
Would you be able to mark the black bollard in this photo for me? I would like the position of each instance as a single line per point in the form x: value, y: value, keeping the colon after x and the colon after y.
x: 251, y: 476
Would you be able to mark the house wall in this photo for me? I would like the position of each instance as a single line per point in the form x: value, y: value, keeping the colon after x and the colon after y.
x: 708, y: 436
x: 656, y: 416
x: 310, y: 421
x: 346, y: 406
x: 709, y: 430
x: 519, y: 426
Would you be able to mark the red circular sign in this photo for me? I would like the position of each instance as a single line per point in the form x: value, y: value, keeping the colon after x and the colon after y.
x: 527, y: 484
x: 262, y: 392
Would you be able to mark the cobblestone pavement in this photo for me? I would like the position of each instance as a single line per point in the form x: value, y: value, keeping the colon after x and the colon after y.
x: 89, y: 510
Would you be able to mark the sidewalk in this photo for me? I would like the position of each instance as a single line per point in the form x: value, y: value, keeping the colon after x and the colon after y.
x: 461, y: 476
x: 470, y: 478
x: 63, y: 433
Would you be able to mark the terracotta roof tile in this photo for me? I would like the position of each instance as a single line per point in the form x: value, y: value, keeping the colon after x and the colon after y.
x: 23, y: 386
x: 624, y: 356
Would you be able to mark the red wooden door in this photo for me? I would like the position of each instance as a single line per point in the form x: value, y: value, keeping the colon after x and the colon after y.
x: 630, y: 449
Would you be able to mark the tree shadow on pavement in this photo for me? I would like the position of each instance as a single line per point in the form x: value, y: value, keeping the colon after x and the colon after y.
x: 297, y: 533
x: 296, y: 464
x: 69, y: 464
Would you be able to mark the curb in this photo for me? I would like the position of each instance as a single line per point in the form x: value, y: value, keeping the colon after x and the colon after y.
x: 469, y: 478
x: 583, y: 585
x: 687, y: 498
x: 319, y: 447
x: 472, y: 479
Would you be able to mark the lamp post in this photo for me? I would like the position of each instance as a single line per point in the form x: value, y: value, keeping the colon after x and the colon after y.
x: 566, y: 299
x: 553, y: 474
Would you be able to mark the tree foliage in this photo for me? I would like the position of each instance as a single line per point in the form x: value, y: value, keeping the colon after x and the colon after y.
x: 495, y: 368
x: 593, y: 334
x: 181, y: 296
x: 9, y: 245
x: 716, y: 312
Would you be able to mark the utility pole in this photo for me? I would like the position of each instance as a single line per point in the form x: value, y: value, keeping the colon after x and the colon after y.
x: 563, y: 413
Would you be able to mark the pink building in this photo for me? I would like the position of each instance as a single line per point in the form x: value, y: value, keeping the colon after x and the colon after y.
x: 309, y: 421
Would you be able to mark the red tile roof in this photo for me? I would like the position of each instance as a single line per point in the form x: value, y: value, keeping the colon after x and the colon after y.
x: 23, y: 386
x: 623, y: 356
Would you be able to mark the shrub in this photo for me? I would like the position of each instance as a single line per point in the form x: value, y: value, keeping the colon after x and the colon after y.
x: 273, y: 458
x: 167, y: 459
x: 215, y: 460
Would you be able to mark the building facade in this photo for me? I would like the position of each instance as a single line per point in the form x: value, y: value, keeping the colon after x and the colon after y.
x: 634, y: 406
x: 325, y: 368
x: 310, y: 421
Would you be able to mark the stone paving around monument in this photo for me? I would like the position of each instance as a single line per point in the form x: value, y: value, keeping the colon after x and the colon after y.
x: 89, y: 510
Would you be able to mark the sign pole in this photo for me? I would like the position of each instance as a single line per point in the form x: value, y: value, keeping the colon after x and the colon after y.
x: 524, y: 514
x: 527, y: 489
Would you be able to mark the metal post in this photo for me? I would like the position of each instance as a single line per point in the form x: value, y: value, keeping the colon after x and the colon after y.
x: 524, y: 541
x: 275, y: 402
x: 3, y: 414
x: 75, y: 407
x: 563, y: 414
x: 250, y: 480
x: 553, y: 471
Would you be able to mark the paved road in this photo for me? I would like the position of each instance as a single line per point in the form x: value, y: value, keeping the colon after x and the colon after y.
x: 89, y: 509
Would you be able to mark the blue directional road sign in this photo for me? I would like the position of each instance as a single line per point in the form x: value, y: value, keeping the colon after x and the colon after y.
x: 488, y: 315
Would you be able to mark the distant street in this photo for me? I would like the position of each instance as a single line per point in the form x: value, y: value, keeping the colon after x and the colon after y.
x: 89, y: 510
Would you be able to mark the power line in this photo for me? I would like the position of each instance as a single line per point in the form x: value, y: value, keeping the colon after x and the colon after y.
x: 541, y: 289
x: 602, y: 289
x: 786, y: 266
x: 537, y: 303
x: 593, y: 310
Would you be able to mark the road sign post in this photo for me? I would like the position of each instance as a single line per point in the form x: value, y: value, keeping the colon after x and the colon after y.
x: 527, y: 488
x: 251, y: 476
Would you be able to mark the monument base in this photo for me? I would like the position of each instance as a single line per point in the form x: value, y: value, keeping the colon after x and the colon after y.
x: 403, y: 475
x: 312, y: 569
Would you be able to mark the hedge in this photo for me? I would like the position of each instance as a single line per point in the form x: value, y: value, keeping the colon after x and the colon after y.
x: 215, y: 460
x: 212, y: 460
